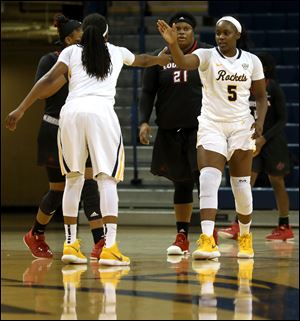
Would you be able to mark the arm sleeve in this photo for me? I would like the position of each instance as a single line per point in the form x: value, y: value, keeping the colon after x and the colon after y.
x: 258, y: 71
x: 128, y: 56
x: 65, y: 56
x: 279, y: 107
x: 204, y: 55
x: 149, y: 91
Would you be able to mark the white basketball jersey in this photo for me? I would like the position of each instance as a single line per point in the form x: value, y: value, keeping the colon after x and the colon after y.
x: 81, y: 84
x: 226, y: 83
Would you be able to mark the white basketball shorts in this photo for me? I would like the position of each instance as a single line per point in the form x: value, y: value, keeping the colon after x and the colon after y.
x: 89, y: 125
x: 225, y: 138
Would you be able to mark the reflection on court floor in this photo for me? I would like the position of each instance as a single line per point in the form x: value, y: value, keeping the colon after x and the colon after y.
x: 155, y: 286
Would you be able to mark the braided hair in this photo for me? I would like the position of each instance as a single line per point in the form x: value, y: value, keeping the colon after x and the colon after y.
x: 95, y: 55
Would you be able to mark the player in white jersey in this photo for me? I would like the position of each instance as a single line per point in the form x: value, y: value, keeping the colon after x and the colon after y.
x: 226, y: 129
x: 88, y: 125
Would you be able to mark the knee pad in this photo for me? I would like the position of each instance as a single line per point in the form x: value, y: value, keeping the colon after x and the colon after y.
x: 51, y: 201
x: 183, y: 193
x: 241, y: 190
x: 91, y: 200
x: 210, y: 180
x: 108, y: 195
x: 72, y: 193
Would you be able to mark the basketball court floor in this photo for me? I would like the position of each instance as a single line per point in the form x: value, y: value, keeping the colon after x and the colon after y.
x: 155, y: 286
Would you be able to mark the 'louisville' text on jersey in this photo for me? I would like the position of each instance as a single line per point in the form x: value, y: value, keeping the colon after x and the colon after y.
x: 170, y: 65
x: 224, y: 76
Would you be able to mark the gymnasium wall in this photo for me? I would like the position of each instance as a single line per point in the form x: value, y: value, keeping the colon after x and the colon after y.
x: 22, y: 181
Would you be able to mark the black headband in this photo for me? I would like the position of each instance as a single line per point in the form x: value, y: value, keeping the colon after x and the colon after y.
x: 68, y: 28
x: 183, y: 18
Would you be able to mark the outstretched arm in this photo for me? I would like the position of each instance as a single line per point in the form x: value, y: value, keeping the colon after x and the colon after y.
x: 145, y: 60
x: 187, y: 62
x: 44, y: 88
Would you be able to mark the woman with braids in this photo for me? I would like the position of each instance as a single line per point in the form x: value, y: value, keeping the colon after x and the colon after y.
x: 88, y: 125
x: 69, y: 33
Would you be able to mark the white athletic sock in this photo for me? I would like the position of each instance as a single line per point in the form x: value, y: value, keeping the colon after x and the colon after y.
x: 71, y: 233
x: 110, y: 235
x: 244, y: 228
x: 208, y: 227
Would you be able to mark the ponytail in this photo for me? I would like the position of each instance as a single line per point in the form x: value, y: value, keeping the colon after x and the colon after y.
x: 95, y: 55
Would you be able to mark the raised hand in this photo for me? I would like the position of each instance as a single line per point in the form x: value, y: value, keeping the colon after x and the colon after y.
x: 168, y: 33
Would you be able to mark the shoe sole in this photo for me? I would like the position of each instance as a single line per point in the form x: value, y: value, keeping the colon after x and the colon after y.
x: 72, y: 259
x: 113, y: 262
x: 175, y: 250
x: 38, y: 257
x: 93, y: 258
x: 245, y: 256
x: 197, y: 255
x: 278, y: 240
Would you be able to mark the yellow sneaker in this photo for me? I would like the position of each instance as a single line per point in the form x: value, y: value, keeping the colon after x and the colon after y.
x: 245, y: 246
x: 72, y: 254
x: 207, y: 248
x: 113, y: 256
x: 72, y: 274
x: 206, y: 270
x: 112, y: 274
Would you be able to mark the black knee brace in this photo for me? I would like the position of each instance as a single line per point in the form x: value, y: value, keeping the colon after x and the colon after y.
x: 51, y: 201
x: 183, y: 192
x: 91, y: 200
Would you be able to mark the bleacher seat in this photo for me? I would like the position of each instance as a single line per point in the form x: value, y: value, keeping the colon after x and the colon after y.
x: 287, y: 74
x: 292, y: 179
x: 293, y: 112
x: 292, y: 133
x: 268, y: 21
x: 290, y: 56
x: 258, y: 37
x: 245, y: 20
x: 294, y: 150
x: 275, y: 52
x: 208, y: 37
x: 284, y: 6
x: 292, y: 21
x: 291, y: 92
x: 282, y: 38
x: 253, y: 6
x: 263, y: 198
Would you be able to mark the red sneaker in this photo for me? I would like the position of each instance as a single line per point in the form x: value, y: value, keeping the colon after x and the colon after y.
x: 97, y: 249
x: 37, y: 245
x: 215, y: 235
x: 180, y: 246
x: 230, y: 232
x: 281, y: 233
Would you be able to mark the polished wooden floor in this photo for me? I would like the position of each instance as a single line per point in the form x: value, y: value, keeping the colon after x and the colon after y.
x: 154, y: 287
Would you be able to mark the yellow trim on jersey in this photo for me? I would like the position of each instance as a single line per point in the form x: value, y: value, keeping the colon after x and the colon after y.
x: 60, y: 154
